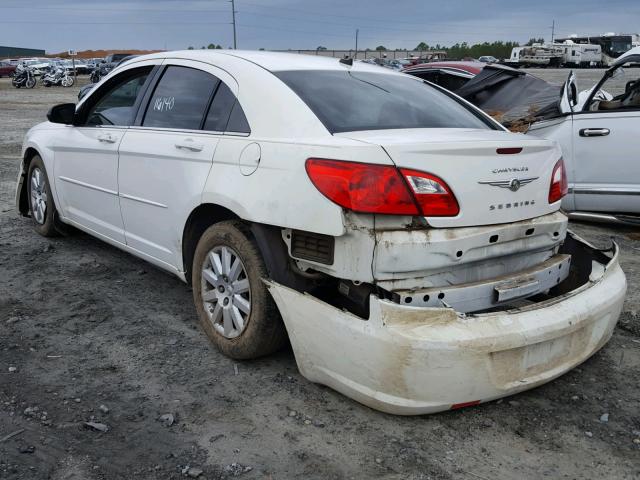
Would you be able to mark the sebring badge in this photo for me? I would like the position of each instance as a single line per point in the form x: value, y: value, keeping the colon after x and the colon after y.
x: 514, y: 184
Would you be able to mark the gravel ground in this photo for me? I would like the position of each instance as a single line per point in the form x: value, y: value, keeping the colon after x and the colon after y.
x: 92, y: 334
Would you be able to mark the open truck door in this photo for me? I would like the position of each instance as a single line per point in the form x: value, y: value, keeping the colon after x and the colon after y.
x: 569, y: 96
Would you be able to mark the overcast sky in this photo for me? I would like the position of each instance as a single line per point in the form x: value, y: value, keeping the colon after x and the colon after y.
x: 58, y: 25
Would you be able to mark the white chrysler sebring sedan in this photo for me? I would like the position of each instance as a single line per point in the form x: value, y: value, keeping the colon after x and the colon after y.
x: 410, y: 248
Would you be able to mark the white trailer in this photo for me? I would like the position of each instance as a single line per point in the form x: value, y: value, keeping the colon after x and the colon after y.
x: 580, y: 55
x: 536, y: 55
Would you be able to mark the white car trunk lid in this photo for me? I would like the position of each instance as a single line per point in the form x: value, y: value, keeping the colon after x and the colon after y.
x: 492, y: 184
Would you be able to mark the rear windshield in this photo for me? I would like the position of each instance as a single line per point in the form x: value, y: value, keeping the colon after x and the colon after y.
x: 347, y: 101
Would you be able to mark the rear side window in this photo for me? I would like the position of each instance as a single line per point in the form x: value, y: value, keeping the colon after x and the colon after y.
x: 226, y: 114
x: 218, y: 115
x: 238, y: 121
x: 180, y: 99
x: 347, y: 101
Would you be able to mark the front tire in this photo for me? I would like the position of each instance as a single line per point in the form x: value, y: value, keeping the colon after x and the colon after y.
x: 30, y: 83
x: 234, y: 306
x: 41, y: 205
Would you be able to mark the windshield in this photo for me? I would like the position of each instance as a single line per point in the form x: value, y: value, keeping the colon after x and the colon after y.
x: 347, y: 101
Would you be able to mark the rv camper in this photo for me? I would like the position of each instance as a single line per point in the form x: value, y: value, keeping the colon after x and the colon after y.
x: 536, y: 55
x: 581, y: 55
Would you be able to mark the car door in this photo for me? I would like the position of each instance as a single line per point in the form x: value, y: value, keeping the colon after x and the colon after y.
x: 166, y: 157
x: 86, y: 155
x: 606, y: 149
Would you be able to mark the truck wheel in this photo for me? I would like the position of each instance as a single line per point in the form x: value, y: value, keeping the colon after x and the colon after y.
x: 41, y: 205
x: 233, y: 304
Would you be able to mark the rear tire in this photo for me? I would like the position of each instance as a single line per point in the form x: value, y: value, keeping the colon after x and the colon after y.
x: 41, y: 205
x: 234, y: 305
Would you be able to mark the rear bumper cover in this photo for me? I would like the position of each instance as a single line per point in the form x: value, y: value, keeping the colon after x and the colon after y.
x: 409, y: 360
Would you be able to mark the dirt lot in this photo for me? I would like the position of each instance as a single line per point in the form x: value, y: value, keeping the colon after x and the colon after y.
x: 89, y: 333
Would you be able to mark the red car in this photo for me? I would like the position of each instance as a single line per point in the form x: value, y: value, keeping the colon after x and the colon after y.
x: 6, y: 69
x: 450, y: 75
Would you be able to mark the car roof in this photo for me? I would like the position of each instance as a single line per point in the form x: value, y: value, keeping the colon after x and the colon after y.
x: 272, y: 61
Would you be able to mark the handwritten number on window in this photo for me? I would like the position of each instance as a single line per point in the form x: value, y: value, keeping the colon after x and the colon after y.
x: 164, y: 104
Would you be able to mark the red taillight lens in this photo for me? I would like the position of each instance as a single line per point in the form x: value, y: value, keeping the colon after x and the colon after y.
x: 362, y: 187
x: 559, y: 184
x: 433, y: 195
x: 369, y: 188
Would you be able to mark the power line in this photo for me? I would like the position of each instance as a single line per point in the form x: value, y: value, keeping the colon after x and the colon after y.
x: 385, y: 20
x: 311, y: 32
x: 106, y: 9
x: 36, y: 22
x: 423, y: 30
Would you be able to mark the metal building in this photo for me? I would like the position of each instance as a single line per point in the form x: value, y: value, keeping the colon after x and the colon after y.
x: 10, y: 52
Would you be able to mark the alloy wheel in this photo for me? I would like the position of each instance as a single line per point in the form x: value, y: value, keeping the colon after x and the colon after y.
x: 226, y: 292
x: 38, y: 196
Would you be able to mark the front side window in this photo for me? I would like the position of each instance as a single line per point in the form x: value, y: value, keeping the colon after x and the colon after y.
x: 180, y: 99
x: 624, y: 89
x: 347, y: 101
x: 116, y: 106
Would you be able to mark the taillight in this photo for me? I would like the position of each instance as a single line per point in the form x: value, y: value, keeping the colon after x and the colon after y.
x: 433, y: 195
x: 362, y: 187
x: 559, y: 184
x: 369, y: 188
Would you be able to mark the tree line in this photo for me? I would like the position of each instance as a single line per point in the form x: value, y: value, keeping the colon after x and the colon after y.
x: 498, y: 49
x: 211, y: 46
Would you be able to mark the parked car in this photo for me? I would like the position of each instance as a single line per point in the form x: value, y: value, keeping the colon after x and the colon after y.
x: 81, y: 66
x: 112, y: 60
x: 451, y: 75
x: 38, y: 66
x: 93, y: 63
x: 410, y: 247
x: 6, y: 69
x: 488, y: 59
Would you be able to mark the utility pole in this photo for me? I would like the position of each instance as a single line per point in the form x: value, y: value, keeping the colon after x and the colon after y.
x: 553, y: 30
x: 233, y: 15
x: 356, y: 56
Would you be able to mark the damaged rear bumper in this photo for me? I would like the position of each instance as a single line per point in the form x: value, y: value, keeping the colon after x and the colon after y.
x: 411, y: 360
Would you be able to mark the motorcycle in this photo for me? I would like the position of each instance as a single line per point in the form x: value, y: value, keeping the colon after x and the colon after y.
x: 23, y: 77
x: 98, y: 72
x: 57, y: 76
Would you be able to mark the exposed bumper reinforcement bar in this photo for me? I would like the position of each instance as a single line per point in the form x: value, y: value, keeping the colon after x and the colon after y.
x: 472, y: 297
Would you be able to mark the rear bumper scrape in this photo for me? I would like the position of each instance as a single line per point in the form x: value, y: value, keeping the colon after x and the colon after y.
x: 410, y: 360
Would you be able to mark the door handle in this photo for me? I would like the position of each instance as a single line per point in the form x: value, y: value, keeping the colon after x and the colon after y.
x: 190, y: 145
x: 594, y: 132
x: 108, y: 138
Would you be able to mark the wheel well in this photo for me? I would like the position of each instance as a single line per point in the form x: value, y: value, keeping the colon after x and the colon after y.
x: 199, y: 220
x: 23, y: 200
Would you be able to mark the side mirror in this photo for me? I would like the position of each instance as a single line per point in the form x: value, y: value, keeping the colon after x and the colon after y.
x: 62, y: 113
